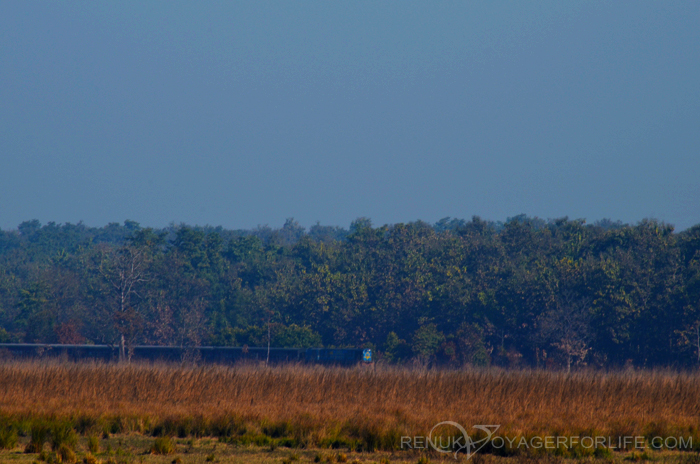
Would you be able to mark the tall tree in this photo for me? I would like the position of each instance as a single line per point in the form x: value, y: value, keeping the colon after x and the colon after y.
x: 125, y: 270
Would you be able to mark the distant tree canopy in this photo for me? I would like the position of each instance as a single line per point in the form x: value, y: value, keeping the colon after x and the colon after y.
x: 528, y: 292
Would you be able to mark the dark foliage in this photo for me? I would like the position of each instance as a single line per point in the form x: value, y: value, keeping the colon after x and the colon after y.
x: 525, y: 292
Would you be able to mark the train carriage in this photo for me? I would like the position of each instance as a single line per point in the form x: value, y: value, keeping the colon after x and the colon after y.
x: 206, y: 354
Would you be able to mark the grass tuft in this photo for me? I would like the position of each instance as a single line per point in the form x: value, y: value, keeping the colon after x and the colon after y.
x: 66, y: 454
x: 93, y: 444
x: 91, y: 459
x: 62, y: 434
x: 8, y: 438
x: 162, y: 445
x: 39, y: 435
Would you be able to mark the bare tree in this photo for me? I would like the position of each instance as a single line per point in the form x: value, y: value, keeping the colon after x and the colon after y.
x: 161, y: 322
x: 191, y: 328
x: 125, y: 271
x: 566, y: 327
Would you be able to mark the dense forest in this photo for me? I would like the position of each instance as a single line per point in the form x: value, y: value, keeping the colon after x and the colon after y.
x: 527, y: 292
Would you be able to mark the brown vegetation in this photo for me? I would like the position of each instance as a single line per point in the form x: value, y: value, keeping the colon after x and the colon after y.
x: 362, y: 408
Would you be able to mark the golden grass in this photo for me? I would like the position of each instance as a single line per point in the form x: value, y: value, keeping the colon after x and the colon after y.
x: 315, y: 405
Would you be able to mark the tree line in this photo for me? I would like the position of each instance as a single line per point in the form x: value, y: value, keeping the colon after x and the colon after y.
x: 525, y: 292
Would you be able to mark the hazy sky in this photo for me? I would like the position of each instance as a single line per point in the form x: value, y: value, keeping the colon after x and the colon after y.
x: 246, y: 113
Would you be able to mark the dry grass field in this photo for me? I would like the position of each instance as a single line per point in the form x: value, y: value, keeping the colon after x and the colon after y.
x: 360, y: 410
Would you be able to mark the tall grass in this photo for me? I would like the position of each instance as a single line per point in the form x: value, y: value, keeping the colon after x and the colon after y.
x: 360, y: 407
x: 8, y: 438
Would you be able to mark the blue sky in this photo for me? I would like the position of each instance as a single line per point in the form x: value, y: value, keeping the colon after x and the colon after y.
x: 245, y: 113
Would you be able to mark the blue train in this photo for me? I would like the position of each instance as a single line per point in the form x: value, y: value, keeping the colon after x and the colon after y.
x: 206, y: 354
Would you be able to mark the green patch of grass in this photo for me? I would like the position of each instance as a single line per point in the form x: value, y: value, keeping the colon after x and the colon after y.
x: 8, y: 438
x: 39, y: 436
x: 90, y: 459
x: 66, y: 454
x: 162, y: 445
x: 93, y: 444
x: 62, y: 434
